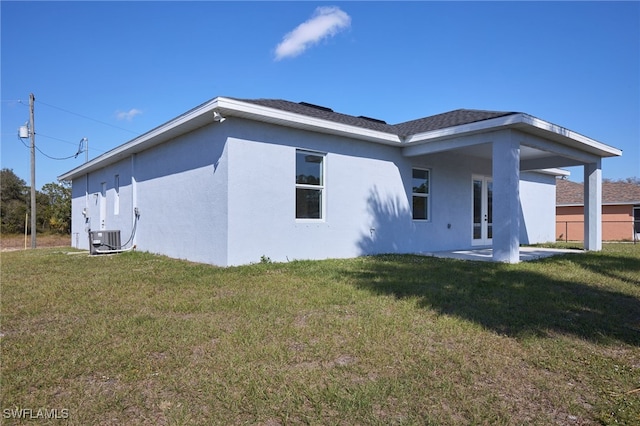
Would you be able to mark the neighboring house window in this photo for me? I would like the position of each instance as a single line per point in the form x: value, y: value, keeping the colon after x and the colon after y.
x: 636, y: 220
x: 309, y: 185
x: 420, y: 183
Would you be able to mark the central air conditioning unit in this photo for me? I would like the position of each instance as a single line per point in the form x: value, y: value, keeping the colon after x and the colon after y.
x: 104, y: 241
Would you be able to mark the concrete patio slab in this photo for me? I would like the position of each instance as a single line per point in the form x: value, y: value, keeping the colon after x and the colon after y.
x: 486, y: 254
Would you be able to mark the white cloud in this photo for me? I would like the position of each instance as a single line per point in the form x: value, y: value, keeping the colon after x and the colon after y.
x: 127, y: 115
x: 325, y: 22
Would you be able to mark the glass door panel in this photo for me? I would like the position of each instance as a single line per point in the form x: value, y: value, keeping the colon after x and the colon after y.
x: 482, y: 210
x: 477, y: 209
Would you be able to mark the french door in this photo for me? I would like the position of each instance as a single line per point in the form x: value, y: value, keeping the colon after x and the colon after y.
x: 482, y: 232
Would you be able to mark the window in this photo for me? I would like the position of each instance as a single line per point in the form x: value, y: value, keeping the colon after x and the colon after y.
x: 116, y: 201
x: 309, y: 185
x: 420, y: 184
x: 636, y: 219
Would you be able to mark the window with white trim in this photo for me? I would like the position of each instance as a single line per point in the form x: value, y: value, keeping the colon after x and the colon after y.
x: 116, y: 201
x: 309, y: 185
x: 420, y: 184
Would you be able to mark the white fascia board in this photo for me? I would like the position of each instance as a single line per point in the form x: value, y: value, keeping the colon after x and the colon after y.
x: 233, y: 107
x: 179, y: 125
x: 520, y: 121
x: 592, y: 145
x: 552, y: 171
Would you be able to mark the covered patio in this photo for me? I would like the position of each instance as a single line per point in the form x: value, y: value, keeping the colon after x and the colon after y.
x: 515, y: 143
x: 486, y: 254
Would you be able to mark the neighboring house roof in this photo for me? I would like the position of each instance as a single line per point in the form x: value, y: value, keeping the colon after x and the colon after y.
x: 572, y: 194
x: 301, y: 115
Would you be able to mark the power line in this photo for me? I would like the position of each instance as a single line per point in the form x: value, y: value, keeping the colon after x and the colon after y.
x: 73, y: 143
x: 20, y: 101
x: 67, y: 142
x: 88, y: 118
x: 25, y: 145
x: 80, y: 150
x: 56, y: 139
x: 61, y: 158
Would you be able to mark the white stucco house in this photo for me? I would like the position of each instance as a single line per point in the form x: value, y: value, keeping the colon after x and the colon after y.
x: 233, y: 180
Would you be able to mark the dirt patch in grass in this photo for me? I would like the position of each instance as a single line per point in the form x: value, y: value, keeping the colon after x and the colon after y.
x: 12, y: 242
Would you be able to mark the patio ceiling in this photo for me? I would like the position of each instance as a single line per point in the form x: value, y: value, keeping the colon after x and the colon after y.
x: 531, y: 158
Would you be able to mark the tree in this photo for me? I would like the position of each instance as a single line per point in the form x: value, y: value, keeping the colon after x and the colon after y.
x: 13, y: 201
x: 53, y: 204
x: 634, y: 180
x: 58, y: 207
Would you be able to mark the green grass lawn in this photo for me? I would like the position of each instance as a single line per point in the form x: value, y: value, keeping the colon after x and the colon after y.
x: 143, y: 339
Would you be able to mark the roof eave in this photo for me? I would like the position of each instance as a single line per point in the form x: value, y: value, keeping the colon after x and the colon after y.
x: 191, y: 120
x: 228, y: 107
x: 523, y: 122
x: 565, y: 136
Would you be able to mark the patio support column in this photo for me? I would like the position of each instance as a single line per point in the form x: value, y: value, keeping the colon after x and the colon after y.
x: 506, y: 198
x: 593, y: 206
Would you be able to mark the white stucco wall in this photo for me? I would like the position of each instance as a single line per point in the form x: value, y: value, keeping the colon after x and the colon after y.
x: 181, y: 195
x: 262, y: 195
x: 180, y: 190
x: 538, y: 208
x: 86, y: 197
x: 79, y: 224
x: 452, y: 216
x: 368, y: 198
x: 225, y: 194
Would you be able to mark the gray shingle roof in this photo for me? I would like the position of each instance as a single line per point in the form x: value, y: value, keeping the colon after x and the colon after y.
x: 448, y: 119
x: 571, y: 193
x: 323, y: 113
x: 435, y: 122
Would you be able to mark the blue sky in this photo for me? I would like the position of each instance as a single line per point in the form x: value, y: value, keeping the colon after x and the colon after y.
x: 109, y: 71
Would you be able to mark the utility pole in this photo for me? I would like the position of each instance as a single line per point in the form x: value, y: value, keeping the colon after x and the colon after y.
x: 32, y: 99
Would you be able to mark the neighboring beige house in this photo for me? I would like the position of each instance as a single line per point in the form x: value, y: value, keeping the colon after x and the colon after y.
x: 620, y: 211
